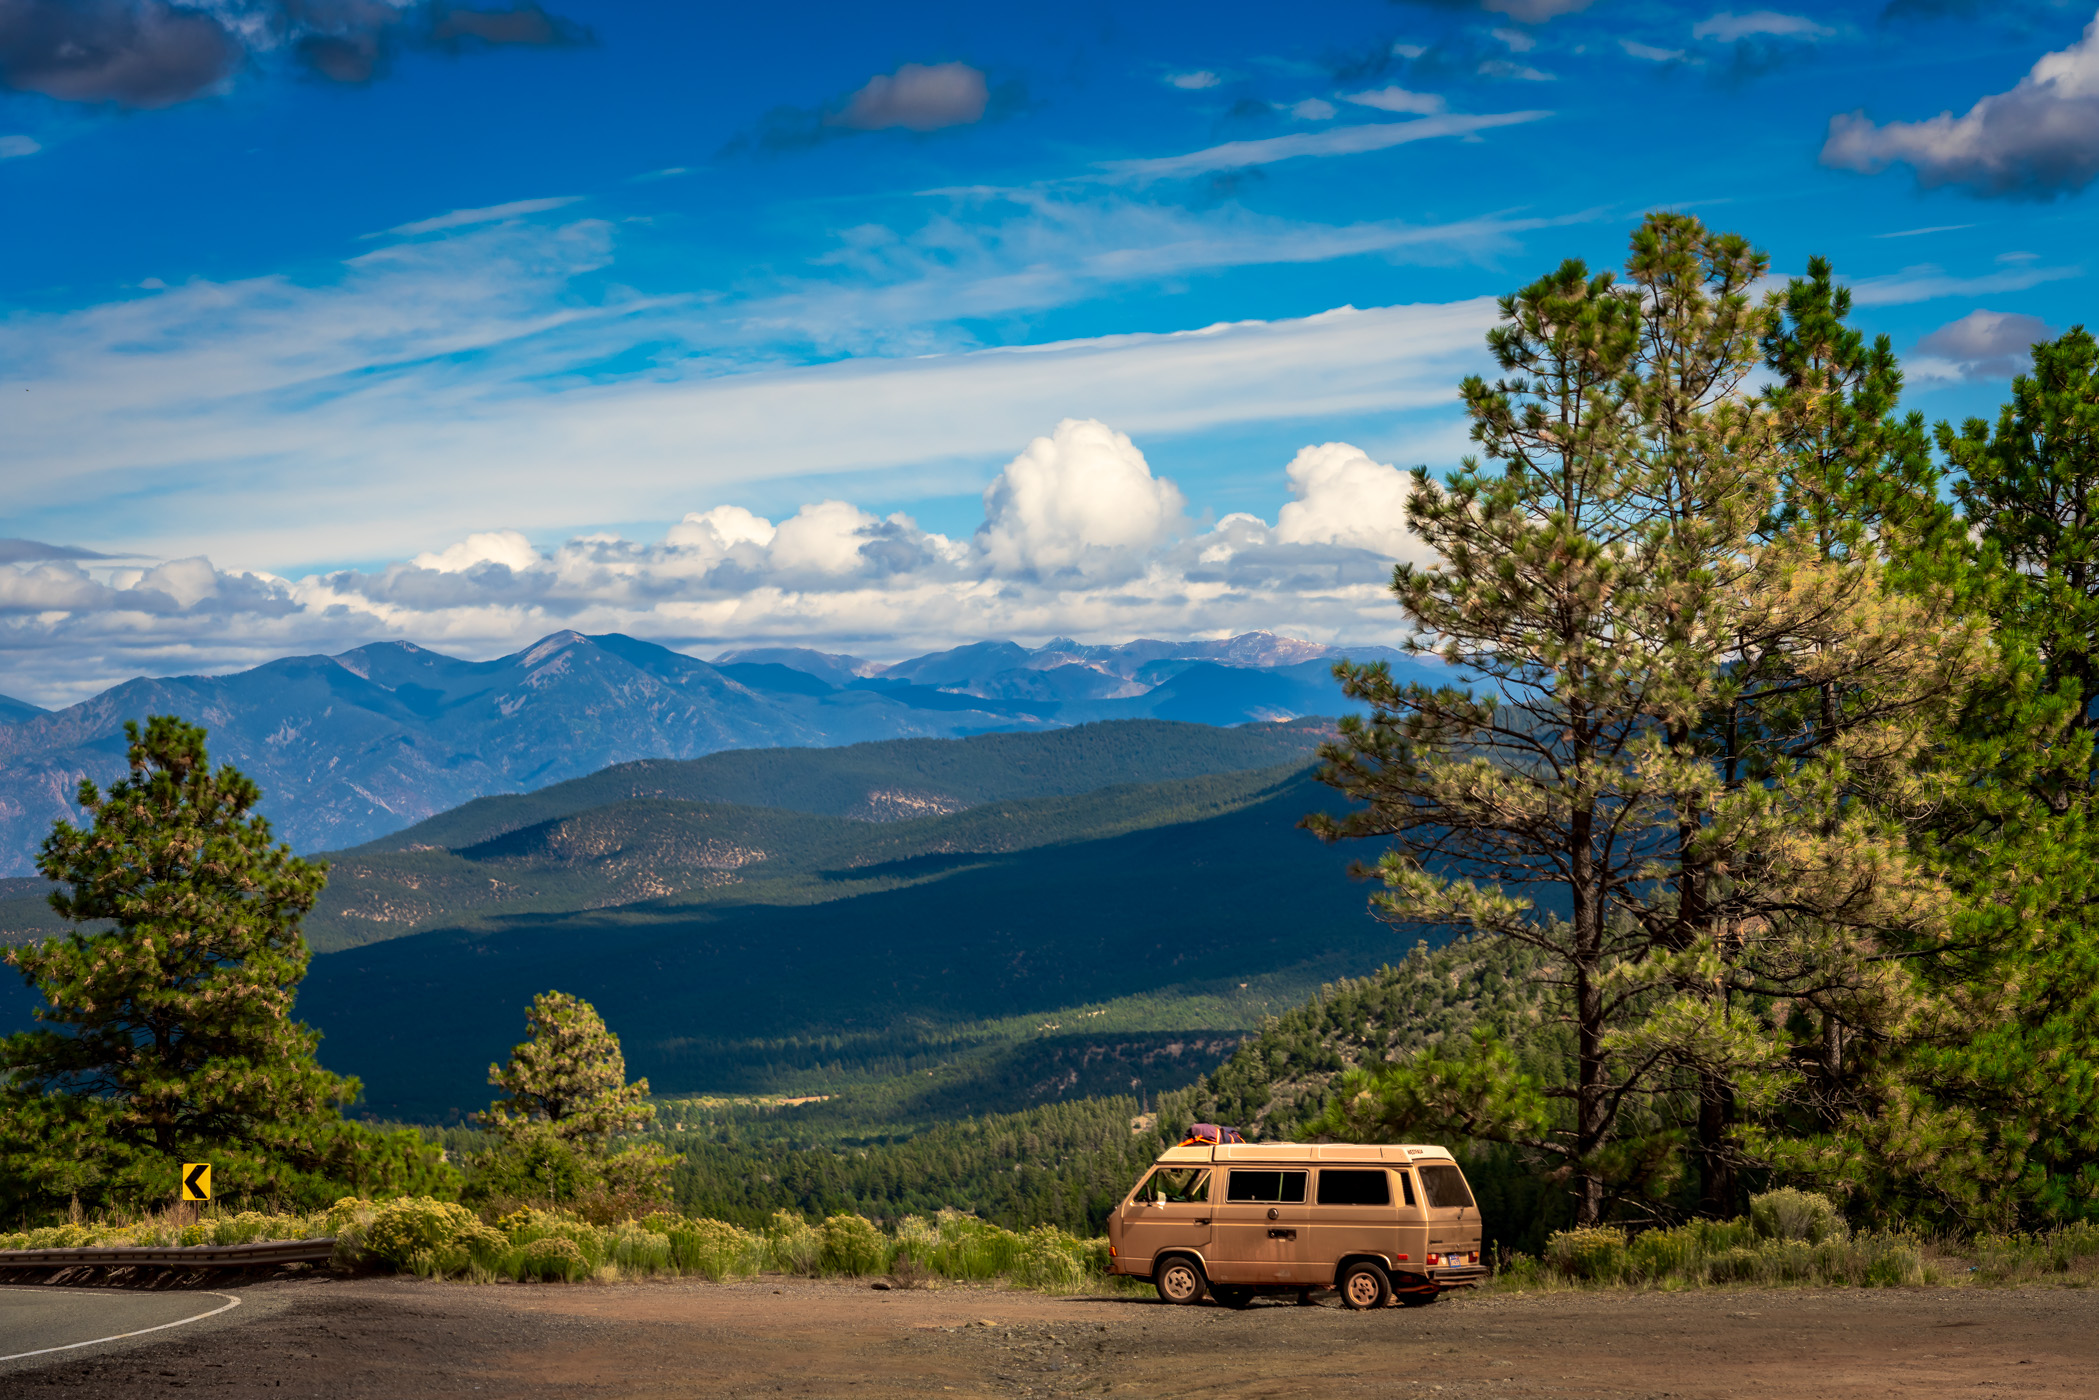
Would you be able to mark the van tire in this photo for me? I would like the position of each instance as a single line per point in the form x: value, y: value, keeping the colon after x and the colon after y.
x: 1233, y: 1295
x: 1362, y: 1286
x: 1179, y: 1279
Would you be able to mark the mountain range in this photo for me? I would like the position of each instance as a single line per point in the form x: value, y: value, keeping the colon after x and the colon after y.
x: 352, y: 747
x: 1093, y: 909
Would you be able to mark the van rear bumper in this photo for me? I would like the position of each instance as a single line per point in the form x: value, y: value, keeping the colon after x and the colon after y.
x: 1458, y: 1275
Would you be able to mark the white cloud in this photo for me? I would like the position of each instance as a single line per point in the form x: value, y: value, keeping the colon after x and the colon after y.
x: 1651, y: 54
x: 1082, y: 501
x: 917, y: 97
x: 494, y: 213
x: 1345, y: 498
x: 1312, y: 109
x: 15, y: 147
x: 1516, y: 39
x: 1397, y: 99
x: 2039, y: 139
x: 1926, y: 282
x: 1727, y: 26
x: 1194, y: 82
x: 506, y: 547
x: 459, y: 372
x: 1407, y: 51
x: 1079, y: 537
x: 1341, y: 141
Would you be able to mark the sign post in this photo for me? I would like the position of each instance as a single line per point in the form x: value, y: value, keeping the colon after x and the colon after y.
x: 196, y: 1181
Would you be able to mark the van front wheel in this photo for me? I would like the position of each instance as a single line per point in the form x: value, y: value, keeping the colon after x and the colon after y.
x: 1364, y: 1286
x: 1180, y: 1280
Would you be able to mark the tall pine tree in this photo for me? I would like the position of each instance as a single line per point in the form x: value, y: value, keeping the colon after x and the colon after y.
x: 167, y: 1033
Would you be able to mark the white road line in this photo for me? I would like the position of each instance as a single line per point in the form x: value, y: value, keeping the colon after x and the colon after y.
x: 231, y: 1302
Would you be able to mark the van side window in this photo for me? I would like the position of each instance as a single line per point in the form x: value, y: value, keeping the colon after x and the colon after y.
x: 1354, y: 1188
x: 1406, y: 1185
x: 1444, y: 1186
x: 1263, y: 1185
x: 1178, y: 1185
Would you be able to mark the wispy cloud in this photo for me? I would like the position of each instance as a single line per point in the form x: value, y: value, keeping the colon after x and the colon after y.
x: 1920, y: 232
x: 1651, y: 54
x: 1340, y: 141
x: 1398, y: 99
x: 15, y: 147
x: 1926, y: 282
x: 1727, y: 26
x: 1194, y: 82
x: 449, y: 372
x: 466, y: 218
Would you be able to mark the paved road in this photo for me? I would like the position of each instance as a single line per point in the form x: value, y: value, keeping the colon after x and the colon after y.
x: 43, y: 1319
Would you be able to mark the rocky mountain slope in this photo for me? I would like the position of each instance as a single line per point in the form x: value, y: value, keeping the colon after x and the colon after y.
x: 352, y: 747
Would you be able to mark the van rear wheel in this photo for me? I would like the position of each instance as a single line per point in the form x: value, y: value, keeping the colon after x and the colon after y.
x: 1180, y: 1280
x: 1364, y: 1286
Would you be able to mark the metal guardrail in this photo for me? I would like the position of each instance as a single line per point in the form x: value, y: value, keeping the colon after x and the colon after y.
x: 194, y: 1256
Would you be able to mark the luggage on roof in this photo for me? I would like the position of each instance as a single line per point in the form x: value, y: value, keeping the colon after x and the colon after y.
x: 1209, y: 1135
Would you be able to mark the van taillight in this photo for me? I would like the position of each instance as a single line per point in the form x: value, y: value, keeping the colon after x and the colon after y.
x: 1111, y: 1251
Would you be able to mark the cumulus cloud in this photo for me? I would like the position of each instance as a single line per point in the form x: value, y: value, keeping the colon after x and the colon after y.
x: 1345, y: 498
x: 151, y: 53
x: 1727, y: 26
x: 1079, y: 537
x: 2038, y: 140
x: 1980, y: 345
x: 1082, y: 501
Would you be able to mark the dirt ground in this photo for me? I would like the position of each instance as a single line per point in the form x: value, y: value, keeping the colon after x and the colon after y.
x: 339, y: 1339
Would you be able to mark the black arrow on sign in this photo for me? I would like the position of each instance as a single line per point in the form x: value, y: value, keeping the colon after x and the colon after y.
x: 193, y: 1184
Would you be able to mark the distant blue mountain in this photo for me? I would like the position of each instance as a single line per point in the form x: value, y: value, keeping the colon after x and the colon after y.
x: 13, y: 711
x: 350, y: 748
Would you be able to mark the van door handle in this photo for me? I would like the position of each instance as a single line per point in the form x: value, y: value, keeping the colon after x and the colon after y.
x: 1203, y: 1221
x: 1282, y: 1234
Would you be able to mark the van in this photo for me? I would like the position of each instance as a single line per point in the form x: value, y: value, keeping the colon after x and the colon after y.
x: 1236, y: 1220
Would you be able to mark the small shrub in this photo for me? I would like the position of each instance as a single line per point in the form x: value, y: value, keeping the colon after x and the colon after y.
x: 1594, y: 1253
x: 431, y: 1237
x: 851, y: 1245
x: 791, y: 1245
x: 553, y: 1258
x: 1051, y: 1260
x: 712, y: 1248
x: 1787, y: 1214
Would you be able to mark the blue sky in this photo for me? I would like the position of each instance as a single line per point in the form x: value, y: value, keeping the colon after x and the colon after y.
x: 344, y: 319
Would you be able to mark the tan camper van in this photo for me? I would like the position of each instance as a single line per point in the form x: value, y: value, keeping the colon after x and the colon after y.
x: 1237, y: 1220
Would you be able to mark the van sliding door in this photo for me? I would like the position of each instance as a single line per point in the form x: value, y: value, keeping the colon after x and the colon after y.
x: 1261, y: 1226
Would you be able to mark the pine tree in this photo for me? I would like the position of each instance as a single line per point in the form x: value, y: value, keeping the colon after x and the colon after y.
x: 568, y: 1101
x: 1652, y: 762
x: 167, y: 1032
x: 568, y: 1076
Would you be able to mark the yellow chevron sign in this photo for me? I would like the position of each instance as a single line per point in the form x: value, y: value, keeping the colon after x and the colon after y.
x: 196, y: 1181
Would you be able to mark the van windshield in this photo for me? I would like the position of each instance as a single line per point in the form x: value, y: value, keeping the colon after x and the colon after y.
x: 1178, y: 1185
x: 1444, y: 1186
